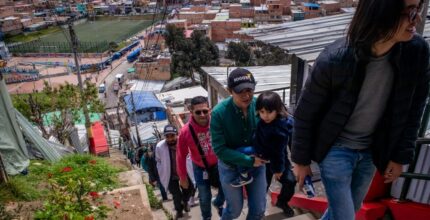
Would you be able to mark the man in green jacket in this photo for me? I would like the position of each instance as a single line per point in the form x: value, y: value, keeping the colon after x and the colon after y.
x: 233, y: 123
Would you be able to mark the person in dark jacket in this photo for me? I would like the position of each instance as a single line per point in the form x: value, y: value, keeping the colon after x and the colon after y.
x: 270, y: 139
x: 143, y: 159
x: 362, y: 104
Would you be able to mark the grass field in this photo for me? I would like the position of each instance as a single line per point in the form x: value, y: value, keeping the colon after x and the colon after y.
x: 102, y: 30
x: 93, y: 35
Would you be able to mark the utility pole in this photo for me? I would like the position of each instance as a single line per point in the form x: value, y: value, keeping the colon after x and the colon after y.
x: 75, y: 44
x: 135, y: 121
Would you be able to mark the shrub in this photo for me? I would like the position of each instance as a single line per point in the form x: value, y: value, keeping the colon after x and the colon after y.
x: 74, y: 185
x: 94, y: 169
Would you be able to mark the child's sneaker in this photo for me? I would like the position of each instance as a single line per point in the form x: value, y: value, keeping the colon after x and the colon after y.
x: 192, y: 202
x: 288, y: 211
x: 244, y: 179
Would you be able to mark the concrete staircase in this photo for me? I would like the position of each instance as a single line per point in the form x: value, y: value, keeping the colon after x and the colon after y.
x: 272, y: 212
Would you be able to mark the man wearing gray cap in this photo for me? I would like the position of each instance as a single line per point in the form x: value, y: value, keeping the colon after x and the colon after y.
x: 233, y: 123
x: 165, y: 155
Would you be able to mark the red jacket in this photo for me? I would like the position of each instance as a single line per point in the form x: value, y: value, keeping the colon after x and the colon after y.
x: 187, y: 145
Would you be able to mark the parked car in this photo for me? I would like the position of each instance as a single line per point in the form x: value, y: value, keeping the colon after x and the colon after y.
x: 102, y: 88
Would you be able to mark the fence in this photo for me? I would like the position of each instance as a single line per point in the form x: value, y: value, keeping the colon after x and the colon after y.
x: 58, y: 47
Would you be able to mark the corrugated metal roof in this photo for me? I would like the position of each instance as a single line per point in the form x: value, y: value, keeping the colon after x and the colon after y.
x: 146, y: 131
x: 147, y: 85
x: 221, y: 16
x: 179, y: 96
x: 267, y: 77
x: 308, y: 37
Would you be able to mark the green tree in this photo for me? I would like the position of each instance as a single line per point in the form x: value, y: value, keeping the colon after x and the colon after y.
x: 188, y: 55
x: 182, y: 65
x: 174, y: 37
x: 205, y: 52
x: 240, y: 53
x: 267, y: 55
x: 66, y: 100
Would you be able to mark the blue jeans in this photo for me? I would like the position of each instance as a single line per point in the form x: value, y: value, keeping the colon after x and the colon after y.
x: 256, y: 191
x: 346, y: 175
x: 205, y: 194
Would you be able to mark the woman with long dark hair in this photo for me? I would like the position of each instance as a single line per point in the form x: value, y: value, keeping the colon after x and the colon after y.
x: 362, y: 104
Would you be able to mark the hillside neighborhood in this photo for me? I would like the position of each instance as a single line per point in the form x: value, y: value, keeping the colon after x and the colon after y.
x: 89, y: 89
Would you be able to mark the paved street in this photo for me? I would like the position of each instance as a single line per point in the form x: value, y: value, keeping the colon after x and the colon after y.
x: 111, y: 99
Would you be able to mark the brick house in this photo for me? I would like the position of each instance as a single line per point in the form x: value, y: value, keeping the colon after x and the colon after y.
x: 153, y: 68
x: 6, y: 11
x: 11, y: 25
x: 330, y: 7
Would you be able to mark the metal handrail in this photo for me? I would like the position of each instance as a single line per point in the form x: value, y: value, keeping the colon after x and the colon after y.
x: 410, y: 174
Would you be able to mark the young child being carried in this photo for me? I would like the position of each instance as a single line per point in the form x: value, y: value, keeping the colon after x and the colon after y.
x: 270, y: 139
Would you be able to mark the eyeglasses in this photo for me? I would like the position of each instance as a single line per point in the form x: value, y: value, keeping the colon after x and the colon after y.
x: 199, y: 112
x: 413, y: 13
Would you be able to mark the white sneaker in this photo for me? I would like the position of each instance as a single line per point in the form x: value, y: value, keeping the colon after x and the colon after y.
x: 192, y: 202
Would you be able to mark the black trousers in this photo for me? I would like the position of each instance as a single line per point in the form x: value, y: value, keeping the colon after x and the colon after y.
x: 180, y: 195
x: 287, y: 180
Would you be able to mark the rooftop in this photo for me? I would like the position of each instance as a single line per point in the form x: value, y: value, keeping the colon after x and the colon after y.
x: 146, y: 131
x: 178, y: 97
x: 143, y: 102
x: 329, y: 2
x: 307, y: 38
x: 268, y: 78
x: 221, y: 16
x: 306, y: 4
x: 146, y: 85
x: 261, y: 8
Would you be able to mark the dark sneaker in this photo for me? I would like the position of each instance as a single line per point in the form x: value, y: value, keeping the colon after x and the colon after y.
x: 179, y: 215
x: 288, y: 211
x: 186, y: 207
x: 218, y: 208
x: 243, y: 180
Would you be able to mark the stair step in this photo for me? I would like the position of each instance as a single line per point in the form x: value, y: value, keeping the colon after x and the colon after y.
x: 307, y: 216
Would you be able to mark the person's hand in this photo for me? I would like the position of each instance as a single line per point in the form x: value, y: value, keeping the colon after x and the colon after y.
x: 301, y: 171
x: 278, y: 175
x: 184, y: 183
x: 259, y: 162
x: 392, y: 172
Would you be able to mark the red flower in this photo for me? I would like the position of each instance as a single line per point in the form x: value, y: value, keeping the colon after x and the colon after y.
x: 92, y: 161
x: 94, y: 195
x: 50, y: 175
x: 90, y: 217
x: 66, y: 169
x: 116, y: 204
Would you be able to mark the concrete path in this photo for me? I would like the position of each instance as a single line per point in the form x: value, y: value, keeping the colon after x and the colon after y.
x: 272, y: 212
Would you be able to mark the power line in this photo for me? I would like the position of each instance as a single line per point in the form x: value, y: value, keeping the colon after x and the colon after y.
x: 150, y: 70
x: 149, y: 73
